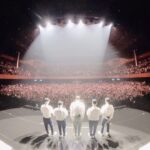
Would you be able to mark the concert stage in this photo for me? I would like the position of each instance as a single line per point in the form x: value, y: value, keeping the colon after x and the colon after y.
x: 22, y: 129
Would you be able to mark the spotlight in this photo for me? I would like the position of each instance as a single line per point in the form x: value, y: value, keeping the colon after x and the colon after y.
x: 80, y: 24
x: 49, y: 25
x: 70, y: 23
x: 110, y: 25
x: 101, y: 24
x: 40, y: 27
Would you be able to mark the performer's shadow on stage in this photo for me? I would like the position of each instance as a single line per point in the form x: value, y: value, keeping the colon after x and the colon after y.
x: 26, y: 140
x: 49, y: 142
x: 36, y: 143
x: 94, y: 144
x: 112, y: 144
x: 63, y: 144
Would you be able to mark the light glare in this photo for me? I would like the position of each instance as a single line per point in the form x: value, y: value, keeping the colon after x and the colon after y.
x: 49, y: 25
x: 111, y: 24
x: 101, y: 23
x: 70, y: 23
x: 80, y: 24
x: 40, y: 27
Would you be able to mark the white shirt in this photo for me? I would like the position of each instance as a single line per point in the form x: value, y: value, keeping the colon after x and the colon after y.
x: 93, y: 113
x: 60, y: 113
x: 77, y: 108
x: 107, y: 110
x: 47, y: 111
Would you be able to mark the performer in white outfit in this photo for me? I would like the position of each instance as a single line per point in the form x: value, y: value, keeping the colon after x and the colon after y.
x: 47, y: 112
x: 77, y: 112
x: 93, y: 115
x: 60, y: 114
x: 107, y: 111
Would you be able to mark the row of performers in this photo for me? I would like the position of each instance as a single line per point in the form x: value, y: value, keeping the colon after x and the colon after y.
x: 77, y: 113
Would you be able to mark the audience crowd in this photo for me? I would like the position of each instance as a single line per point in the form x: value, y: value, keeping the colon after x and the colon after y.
x: 10, y: 68
x: 143, y: 66
x: 117, y: 91
x: 86, y: 70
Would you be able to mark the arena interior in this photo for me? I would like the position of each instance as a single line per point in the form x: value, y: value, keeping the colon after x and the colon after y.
x: 89, y: 49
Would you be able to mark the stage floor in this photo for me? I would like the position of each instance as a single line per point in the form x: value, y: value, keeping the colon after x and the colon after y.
x: 22, y: 129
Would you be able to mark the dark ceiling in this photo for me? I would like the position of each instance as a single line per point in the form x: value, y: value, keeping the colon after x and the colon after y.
x: 19, y: 18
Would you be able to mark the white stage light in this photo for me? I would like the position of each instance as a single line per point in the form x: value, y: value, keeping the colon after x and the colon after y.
x: 66, y: 44
x: 111, y: 24
x: 101, y: 24
x: 70, y: 23
x: 40, y: 27
x: 80, y: 24
x: 49, y: 25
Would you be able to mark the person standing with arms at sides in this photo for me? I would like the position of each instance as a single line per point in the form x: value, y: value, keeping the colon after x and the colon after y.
x: 47, y: 112
x: 107, y: 111
x: 60, y: 114
x: 77, y: 112
x: 93, y: 115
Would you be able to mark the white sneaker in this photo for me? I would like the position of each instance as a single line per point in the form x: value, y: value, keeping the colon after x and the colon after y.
x: 89, y: 134
x: 108, y: 135
x: 49, y: 134
x: 93, y: 137
x: 55, y: 133
x: 102, y: 135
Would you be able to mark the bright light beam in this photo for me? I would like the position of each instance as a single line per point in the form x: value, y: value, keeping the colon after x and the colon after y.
x: 70, y: 23
x: 101, y: 24
x: 40, y: 27
x: 110, y: 25
x: 49, y: 25
x: 80, y: 24
x: 86, y: 44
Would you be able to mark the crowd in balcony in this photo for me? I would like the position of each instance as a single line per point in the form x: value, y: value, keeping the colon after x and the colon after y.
x: 88, y: 70
x: 9, y: 68
x: 143, y: 66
